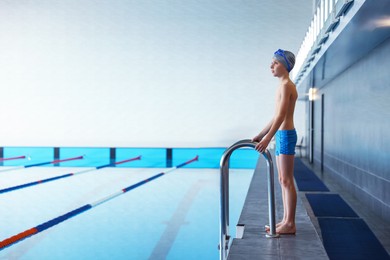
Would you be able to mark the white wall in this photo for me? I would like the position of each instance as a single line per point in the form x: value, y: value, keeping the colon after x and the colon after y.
x: 141, y: 73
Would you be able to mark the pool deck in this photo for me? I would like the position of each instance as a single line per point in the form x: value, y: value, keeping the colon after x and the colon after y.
x: 306, y: 244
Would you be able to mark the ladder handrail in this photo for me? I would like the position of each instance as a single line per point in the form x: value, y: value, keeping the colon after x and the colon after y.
x: 224, y: 195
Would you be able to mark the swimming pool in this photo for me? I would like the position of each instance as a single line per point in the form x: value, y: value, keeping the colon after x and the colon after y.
x: 173, y: 217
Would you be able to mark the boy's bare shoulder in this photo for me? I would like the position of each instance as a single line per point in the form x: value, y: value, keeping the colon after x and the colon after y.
x: 288, y: 86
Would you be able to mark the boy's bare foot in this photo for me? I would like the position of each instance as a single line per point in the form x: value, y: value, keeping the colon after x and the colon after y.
x: 286, y: 229
x: 267, y: 227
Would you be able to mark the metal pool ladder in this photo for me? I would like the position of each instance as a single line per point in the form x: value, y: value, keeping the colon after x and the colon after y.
x: 224, y: 196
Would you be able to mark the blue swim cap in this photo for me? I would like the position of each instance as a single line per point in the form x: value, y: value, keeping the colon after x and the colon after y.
x: 287, y: 58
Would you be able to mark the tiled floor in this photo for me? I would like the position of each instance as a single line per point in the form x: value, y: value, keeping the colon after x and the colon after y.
x: 379, y: 226
x: 306, y: 244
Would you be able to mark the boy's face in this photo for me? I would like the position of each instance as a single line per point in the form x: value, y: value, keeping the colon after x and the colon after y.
x: 277, y: 68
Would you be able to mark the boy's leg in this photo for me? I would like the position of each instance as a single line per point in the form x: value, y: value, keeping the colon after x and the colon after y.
x: 286, y: 177
x: 283, y: 193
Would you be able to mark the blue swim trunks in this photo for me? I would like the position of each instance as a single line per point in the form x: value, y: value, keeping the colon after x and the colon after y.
x: 285, y: 142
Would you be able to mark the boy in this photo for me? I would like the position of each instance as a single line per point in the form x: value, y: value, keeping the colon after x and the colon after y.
x: 282, y: 126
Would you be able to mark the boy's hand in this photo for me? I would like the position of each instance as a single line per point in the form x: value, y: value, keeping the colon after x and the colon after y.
x: 263, y: 144
x: 257, y: 138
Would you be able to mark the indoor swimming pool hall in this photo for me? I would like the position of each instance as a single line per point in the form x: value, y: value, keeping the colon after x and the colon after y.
x: 165, y: 129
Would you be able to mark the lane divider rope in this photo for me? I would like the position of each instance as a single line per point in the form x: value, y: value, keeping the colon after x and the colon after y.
x: 35, y: 230
x: 13, y: 158
x: 43, y: 163
x: 29, y: 184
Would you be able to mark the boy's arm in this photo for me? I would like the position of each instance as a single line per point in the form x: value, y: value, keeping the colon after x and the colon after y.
x: 263, y: 132
x: 280, y: 115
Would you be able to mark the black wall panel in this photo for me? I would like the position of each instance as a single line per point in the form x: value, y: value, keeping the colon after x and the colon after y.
x: 356, y: 128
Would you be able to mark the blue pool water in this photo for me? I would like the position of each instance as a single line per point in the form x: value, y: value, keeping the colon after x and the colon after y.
x: 172, y: 217
x: 151, y: 157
